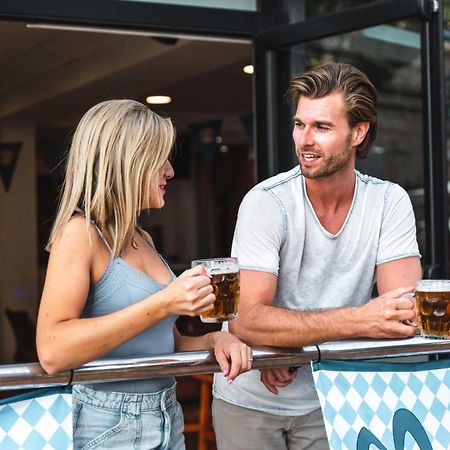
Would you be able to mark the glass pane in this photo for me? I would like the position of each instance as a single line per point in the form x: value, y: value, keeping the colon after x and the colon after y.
x: 447, y: 89
x: 244, y: 5
x: 390, y: 55
x: 314, y: 8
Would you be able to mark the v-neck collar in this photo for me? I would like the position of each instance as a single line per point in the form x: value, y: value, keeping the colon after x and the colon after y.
x: 324, y: 230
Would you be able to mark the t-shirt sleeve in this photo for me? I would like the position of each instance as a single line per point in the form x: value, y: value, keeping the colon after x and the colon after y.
x: 260, y: 232
x: 398, y: 228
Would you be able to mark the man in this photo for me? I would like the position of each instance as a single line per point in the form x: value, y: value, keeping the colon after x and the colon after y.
x: 311, y: 242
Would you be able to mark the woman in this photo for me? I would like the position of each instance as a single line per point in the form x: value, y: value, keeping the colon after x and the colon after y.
x: 109, y: 294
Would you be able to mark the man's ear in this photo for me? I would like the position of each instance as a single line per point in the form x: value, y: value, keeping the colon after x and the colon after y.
x: 359, y: 132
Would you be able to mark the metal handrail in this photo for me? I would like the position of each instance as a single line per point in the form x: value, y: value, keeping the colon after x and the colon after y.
x: 26, y: 376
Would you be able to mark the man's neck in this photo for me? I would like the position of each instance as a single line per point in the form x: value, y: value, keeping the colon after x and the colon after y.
x: 333, y: 192
x: 331, y: 198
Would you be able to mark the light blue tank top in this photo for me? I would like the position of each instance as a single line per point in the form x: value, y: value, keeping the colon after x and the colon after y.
x: 122, y: 285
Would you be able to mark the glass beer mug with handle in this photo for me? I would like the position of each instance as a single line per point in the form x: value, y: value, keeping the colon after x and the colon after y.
x: 433, y: 308
x: 224, y: 273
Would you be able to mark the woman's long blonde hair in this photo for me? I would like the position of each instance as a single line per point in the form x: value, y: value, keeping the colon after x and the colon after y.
x: 117, y: 151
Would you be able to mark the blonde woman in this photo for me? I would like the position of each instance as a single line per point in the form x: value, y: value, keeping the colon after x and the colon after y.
x: 109, y: 294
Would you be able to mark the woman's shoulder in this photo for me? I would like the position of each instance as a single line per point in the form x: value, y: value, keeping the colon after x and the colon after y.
x: 77, y: 233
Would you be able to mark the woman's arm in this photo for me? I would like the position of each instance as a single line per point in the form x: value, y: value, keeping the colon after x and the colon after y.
x: 64, y: 340
x: 234, y: 357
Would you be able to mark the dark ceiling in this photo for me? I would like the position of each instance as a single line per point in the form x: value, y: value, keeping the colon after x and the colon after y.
x: 51, y: 77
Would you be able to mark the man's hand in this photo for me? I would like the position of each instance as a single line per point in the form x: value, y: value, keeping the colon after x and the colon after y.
x: 384, y: 316
x: 276, y: 378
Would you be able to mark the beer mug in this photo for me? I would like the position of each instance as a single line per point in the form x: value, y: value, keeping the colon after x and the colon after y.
x: 433, y: 308
x: 225, y: 277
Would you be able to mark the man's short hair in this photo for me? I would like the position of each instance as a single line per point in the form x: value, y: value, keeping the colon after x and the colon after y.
x: 360, y: 95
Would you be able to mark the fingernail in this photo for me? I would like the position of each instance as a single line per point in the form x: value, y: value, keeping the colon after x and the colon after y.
x: 229, y: 381
x: 225, y: 372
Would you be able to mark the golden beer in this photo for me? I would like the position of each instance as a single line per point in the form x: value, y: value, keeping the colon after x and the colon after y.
x: 225, y: 280
x: 433, y: 307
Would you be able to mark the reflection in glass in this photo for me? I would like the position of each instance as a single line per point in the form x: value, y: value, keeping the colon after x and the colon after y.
x: 447, y: 89
x: 390, y: 55
x: 245, y: 5
x: 314, y: 8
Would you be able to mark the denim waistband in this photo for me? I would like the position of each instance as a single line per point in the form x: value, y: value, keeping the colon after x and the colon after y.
x: 124, y: 401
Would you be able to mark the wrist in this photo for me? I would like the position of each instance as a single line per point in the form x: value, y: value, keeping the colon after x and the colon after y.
x: 163, y: 301
x: 213, y: 338
x: 354, y: 326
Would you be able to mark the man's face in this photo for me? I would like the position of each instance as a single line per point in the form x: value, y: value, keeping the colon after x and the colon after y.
x: 322, y: 137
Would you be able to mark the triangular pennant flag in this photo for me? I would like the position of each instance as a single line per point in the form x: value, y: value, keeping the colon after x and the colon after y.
x: 247, y: 122
x: 205, y: 139
x: 9, y: 154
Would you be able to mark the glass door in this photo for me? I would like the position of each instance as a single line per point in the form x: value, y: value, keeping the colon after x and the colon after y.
x: 395, y: 54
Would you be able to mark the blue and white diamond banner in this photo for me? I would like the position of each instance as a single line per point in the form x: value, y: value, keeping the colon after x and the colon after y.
x: 389, y: 406
x: 39, y: 420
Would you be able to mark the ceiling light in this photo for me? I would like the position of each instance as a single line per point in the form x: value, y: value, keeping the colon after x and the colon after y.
x: 248, y: 69
x: 158, y: 99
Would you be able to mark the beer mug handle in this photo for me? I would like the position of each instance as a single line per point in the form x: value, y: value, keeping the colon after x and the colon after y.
x: 411, y: 323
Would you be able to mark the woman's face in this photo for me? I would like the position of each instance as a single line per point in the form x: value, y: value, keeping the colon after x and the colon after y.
x: 156, y: 199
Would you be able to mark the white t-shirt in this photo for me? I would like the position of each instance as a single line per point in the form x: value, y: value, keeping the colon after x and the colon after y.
x: 277, y: 231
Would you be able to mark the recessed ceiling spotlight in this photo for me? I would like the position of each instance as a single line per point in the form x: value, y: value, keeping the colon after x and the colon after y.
x: 158, y: 99
x: 249, y: 69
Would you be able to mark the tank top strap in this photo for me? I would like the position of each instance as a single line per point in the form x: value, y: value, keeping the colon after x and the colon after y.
x: 102, y: 238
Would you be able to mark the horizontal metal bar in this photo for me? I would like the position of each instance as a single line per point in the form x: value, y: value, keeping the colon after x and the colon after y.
x: 379, y: 348
x: 351, y: 19
x: 134, y: 15
x: 27, y: 376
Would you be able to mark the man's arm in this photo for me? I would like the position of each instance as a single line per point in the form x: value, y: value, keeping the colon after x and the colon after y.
x: 400, y: 272
x: 261, y: 323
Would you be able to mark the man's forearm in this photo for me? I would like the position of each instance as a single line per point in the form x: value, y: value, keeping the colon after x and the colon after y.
x: 383, y: 317
x: 270, y: 325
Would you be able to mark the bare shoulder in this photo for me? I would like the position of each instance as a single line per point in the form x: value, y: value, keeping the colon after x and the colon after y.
x: 75, y: 237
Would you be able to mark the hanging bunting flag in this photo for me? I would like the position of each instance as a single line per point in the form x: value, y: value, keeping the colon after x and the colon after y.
x: 38, y: 420
x: 9, y: 154
x: 206, y: 139
x: 247, y: 123
x: 385, y: 406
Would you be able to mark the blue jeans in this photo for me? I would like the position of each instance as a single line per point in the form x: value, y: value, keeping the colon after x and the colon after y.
x: 122, y: 421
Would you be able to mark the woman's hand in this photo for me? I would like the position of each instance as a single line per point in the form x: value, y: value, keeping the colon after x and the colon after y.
x: 234, y: 357
x: 190, y: 294
x: 276, y: 378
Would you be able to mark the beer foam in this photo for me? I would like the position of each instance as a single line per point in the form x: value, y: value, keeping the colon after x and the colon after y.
x: 222, y: 269
x: 433, y: 286
x: 216, y: 266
